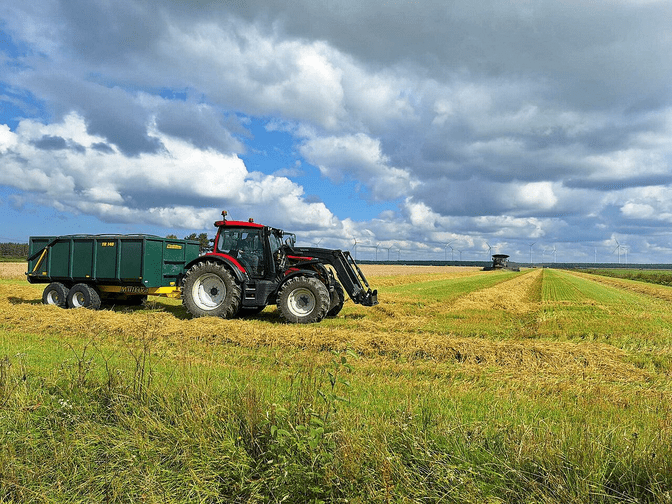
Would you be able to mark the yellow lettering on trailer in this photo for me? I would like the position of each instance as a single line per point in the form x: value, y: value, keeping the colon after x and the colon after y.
x: 171, y: 292
x: 174, y: 246
x: 107, y: 244
x: 134, y: 289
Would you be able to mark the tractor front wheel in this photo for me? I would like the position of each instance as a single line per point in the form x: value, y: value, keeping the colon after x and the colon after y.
x: 303, y: 300
x: 209, y: 289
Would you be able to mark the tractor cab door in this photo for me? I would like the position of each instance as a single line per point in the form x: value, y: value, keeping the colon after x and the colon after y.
x: 246, y: 246
x: 276, y: 257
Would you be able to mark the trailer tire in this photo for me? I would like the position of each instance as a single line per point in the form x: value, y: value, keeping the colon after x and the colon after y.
x: 83, y: 296
x: 209, y: 289
x: 55, y: 294
x: 303, y: 300
x: 337, y: 300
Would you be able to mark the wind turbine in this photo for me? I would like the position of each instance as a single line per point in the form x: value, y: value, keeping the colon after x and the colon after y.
x: 555, y: 254
x: 354, y: 248
x: 531, y: 252
x: 445, y: 251
x: 489, y: 249
x: 618, y: 247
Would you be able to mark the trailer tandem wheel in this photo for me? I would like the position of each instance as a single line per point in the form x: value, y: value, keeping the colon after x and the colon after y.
x: 82, y: 295
x: 55, y: 294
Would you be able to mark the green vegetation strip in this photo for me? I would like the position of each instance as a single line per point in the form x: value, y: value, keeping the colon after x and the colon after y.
x: 560, y: 285
x: 576, y: 307
x: 445, y: 290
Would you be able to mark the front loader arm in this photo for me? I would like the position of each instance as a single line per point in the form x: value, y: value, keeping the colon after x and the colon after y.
x: 351, y: 277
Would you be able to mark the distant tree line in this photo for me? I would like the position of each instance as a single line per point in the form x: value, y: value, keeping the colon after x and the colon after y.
x: 205, y: 243
x: 14, y: 250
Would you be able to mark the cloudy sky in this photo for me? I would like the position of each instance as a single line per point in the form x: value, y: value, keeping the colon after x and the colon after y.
x: 411, y: 126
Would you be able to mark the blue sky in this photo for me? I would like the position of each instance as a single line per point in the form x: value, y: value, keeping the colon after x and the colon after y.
x: 404, y: 126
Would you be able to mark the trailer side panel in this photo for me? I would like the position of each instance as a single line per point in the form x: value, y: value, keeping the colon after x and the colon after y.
x: 126, y: 260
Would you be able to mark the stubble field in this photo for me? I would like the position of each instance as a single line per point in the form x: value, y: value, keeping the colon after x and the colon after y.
x: 460, y: 386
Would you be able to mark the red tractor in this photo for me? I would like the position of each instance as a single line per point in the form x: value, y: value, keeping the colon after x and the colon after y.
x: 252, y: 266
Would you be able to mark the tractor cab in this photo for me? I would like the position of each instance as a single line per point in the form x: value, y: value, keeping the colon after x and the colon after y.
x: 253, y: 248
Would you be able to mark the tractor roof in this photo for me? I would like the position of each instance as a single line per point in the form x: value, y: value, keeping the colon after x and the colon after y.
x: 230, y: 223
x: 250, y: 223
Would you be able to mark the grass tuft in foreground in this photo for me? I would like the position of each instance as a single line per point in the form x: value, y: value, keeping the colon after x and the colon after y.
x: 87, y: 422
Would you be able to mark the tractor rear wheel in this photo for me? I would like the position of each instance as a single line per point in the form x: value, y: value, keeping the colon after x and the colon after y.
x: 209, y: 289
x: 303, y: 300
x: 83, y: 296
x: 337, y: 300
x: 55, y: 294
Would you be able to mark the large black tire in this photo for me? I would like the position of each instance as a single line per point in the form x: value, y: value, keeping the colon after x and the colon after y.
x: 55, y: 294
x: 303, y: 300
x: 209, y: 289
x: 337, y: 300
x: 83, y: 296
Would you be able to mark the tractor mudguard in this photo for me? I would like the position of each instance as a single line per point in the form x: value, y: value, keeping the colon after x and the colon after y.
x: 298, y: 272
x: 236, y: 268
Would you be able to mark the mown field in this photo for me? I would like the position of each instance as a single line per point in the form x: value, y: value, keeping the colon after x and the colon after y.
x: 460, y: 386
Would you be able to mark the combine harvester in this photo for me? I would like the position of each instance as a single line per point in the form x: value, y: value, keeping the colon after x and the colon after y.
x: 251, y: 266
x: 499, y: 262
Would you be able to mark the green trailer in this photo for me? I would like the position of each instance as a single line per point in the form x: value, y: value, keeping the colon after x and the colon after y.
x: 87, y: 270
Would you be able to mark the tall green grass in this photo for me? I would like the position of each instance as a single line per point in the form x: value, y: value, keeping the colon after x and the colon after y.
x: 95, y: 421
